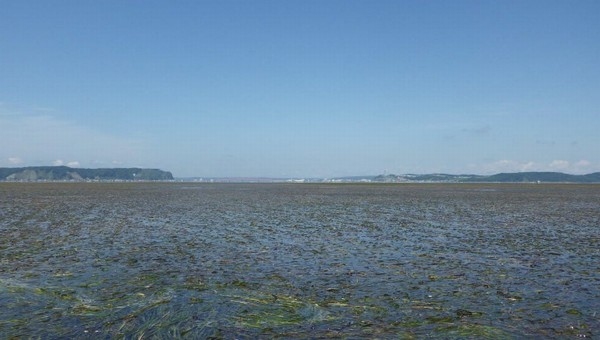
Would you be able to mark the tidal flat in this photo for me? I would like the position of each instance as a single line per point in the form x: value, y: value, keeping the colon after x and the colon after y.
x: 188, y: 260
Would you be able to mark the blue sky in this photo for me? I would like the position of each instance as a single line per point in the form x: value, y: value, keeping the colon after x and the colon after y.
x: 301, y: 88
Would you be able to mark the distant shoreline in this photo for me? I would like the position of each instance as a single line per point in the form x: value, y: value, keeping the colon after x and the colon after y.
x: 517, y: 177
x: 67, y: 174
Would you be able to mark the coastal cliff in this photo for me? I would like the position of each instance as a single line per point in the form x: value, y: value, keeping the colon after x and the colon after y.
x: 64, y: 173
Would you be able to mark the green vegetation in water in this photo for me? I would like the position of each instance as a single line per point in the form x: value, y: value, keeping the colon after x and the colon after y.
x: 269, y: 311
x: 474, y: 331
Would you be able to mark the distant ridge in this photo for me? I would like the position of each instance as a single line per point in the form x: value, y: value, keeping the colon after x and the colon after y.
x: 512, y: 177
x: 64, y: 173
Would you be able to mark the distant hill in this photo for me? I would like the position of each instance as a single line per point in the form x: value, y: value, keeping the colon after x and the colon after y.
x: 515, y: 177
x: 64, y: 173
x: 544, y: 177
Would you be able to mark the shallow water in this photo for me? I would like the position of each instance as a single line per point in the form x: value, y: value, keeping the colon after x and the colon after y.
x: 299, y: 260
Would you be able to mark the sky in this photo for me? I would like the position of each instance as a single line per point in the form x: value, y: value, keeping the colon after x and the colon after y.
x: 301, y: 88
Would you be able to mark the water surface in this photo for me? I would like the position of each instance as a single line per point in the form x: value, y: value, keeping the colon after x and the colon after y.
x: 299, y: 260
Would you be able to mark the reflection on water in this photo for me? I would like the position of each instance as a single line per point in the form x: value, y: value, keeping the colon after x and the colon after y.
x: 299, y: 260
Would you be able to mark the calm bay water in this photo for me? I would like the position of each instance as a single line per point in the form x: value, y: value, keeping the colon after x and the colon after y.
x: 189, y: 260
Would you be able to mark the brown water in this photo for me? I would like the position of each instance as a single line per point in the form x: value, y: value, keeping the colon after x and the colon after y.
x: 299, y: 260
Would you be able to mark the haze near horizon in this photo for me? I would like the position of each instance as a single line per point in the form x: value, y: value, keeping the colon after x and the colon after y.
x: 301, y: 88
